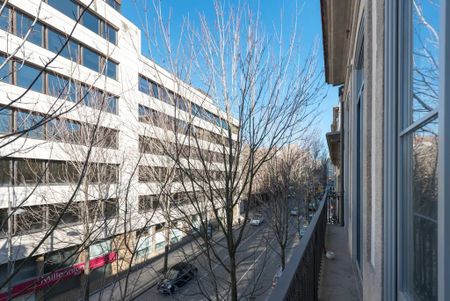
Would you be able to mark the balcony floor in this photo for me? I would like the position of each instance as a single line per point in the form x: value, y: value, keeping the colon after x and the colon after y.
x: 338, y: 279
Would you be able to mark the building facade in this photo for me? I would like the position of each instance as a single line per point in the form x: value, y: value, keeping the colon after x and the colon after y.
x: 392, y: 60
x: 77, y: 97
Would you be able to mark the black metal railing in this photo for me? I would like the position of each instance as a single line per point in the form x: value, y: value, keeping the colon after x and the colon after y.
x: 300, y: 279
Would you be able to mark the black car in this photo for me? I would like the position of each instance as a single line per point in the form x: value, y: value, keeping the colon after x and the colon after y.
x: 176, y: 277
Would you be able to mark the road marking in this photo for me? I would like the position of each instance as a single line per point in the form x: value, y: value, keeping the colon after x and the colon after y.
x: 226, y: 256
x: 254, y: 262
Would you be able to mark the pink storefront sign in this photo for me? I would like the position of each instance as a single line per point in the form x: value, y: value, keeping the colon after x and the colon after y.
x: 57, y: 276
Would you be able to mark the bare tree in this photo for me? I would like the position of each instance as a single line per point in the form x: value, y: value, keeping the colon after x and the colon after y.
x: 267, y: 95
x: 279, y: 186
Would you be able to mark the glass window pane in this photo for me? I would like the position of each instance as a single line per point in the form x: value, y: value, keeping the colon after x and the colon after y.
x: 95, y: 210
x: 422, y: 191
x: 91, y: 59
x: 110, y: 208
x: 55, y: 130
x: 57, y: 172
x: 57, y: 86
x: 24, y: 24
x: 154, y: 90
x: 144, y: 85
x: 425, y: 53
x: 70, y: 51
x: 72, y: 132
x: 110, y: 33
x: 99, y: 249
x: 70, y: 216
x: 111, y: 69
x: 30, y: 171
x: 29, y: 221
x: 67, y: 7
x: 94, y: 97
x: 91, y: 21
x: 114, y: 4
x: 111, y: 104
x: 4, y: 19
x: 5, y: 171
x: 25, y: 123
x: 3, y: 222
x: 73, y: 171
x: 55, y: 41
x: 5, y: 120
x: 5, y: 71
x: 26, y: 75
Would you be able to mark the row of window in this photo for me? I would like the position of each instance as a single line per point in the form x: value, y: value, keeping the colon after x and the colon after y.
x: 31, y: 171
x: 151, y: 202
x: 176, y: 125
x: 28, y: 76
x: 155, y: 90
x: 89, y: 19
x: 41, y: 126
x: 147, y: 174
x: 115, y: 4
x: 42, y: 35
x: 38, y: 218
x: 155, y: 146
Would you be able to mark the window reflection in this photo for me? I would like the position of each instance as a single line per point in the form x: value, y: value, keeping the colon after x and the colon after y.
x: 5, y: 121
x: 423, y: 221
x: 26, y: 75
x: 425, y: 56
x: 24, y: 24
x: 90, y: 59
x: 5, y: 71
x: 91, y: 21
x: 67, y: 7
x: 4, y: 19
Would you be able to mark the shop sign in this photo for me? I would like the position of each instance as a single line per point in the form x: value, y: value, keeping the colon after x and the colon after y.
x: 64, y: 274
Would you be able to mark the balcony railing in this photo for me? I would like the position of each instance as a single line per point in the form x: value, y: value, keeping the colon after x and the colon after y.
x: 300, y: 279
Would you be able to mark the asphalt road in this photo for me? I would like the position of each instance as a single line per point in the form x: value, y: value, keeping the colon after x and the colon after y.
x: 257, y: 264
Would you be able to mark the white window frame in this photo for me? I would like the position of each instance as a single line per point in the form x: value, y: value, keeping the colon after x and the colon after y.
x: 444, y: 157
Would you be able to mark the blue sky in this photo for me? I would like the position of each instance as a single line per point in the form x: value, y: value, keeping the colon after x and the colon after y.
x: 273, y: 13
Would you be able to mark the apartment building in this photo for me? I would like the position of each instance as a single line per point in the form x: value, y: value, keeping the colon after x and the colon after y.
x: 78, y: 98
x: 391, y: 59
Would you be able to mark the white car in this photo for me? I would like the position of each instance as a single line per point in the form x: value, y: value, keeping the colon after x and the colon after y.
x: 294, y: 212
x: 256, y: 220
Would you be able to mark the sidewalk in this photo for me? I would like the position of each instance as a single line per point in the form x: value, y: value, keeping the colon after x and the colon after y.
x: 148, y: 275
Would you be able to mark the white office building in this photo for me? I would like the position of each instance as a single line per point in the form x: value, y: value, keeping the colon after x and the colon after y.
x: 58, y: 81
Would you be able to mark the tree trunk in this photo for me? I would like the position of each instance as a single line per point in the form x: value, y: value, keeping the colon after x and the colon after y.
x: 283, y: 258
x: 85, y: 280
x: 166, y: 257
x: 233, y: 279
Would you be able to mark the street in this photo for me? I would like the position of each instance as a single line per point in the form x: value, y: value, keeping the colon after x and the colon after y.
x: 257, y: 264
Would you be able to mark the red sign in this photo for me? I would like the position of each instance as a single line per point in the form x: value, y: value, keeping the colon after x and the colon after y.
x: 58, y: 275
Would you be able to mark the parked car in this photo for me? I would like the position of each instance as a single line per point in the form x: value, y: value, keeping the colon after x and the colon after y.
x: 257, y: 220
x: 176, y: 277
x: 294, y: 212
